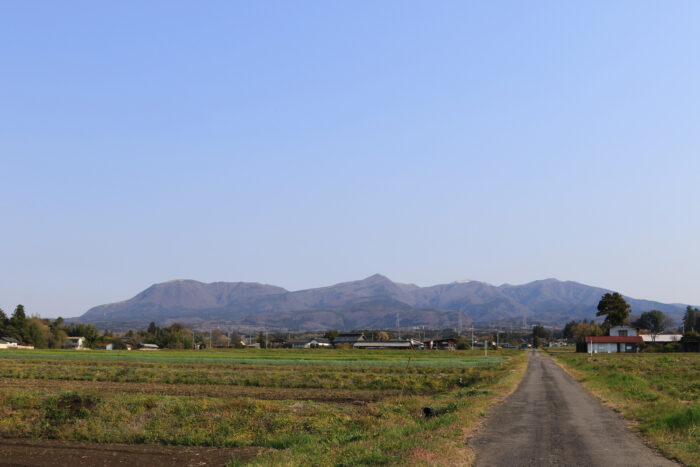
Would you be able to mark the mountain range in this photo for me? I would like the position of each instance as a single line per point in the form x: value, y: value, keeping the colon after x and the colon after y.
x: 372, y: 303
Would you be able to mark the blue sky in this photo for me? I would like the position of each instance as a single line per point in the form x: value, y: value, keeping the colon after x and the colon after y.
x: 307, y: 143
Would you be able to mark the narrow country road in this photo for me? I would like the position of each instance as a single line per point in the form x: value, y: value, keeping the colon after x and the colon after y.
x: 551, y: 420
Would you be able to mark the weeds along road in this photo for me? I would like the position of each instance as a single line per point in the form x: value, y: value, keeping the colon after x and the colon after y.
x: 551, y: 420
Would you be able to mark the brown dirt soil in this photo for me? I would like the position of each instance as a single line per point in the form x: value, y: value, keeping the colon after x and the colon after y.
x: 201, y: 390
x: 39, y: 453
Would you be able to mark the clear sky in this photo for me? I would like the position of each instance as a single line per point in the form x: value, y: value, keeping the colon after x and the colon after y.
x: 306, y: 143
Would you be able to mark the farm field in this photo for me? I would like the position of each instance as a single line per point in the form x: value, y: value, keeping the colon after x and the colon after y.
x: 319, y: 407
x: 658, y: 393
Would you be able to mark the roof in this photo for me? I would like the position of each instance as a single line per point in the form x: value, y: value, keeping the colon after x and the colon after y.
x: 394, y: 344
x: 10, y: 340
x: 614, y: 339
x: 442, y: 339
x: 659, y: 338
x: 320, y: 340
x: 350, y: 337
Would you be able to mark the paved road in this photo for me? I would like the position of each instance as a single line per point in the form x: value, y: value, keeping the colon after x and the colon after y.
x: 551, y: 420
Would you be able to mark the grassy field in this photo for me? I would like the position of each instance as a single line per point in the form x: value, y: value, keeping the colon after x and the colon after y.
x: 658, y: 393
x: 318, y: 407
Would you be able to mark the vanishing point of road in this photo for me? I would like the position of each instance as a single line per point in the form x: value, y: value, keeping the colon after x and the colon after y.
x: 551, y: 420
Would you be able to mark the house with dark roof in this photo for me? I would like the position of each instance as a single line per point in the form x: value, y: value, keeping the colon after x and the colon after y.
x: 348, y: 339
x: 8, y: 343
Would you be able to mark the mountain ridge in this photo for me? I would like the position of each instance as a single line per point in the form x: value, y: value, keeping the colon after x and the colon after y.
x: 373, y: 302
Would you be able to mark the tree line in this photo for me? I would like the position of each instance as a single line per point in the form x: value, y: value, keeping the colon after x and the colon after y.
x: 617, y: 313
x: 43, y: 333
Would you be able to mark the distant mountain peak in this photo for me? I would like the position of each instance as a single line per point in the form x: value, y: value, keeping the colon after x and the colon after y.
x: 377, y: 277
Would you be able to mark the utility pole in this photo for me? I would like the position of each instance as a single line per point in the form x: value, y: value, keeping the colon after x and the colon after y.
x: 472, y: 337
x: 398, y: 325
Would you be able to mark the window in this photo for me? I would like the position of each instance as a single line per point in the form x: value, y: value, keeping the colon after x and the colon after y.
x: 622, y: 333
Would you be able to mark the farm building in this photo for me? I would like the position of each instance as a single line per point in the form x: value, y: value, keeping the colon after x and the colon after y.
x: 691, y: 342
x: 8, y: 343
x: 311, y: 343
x: 74, y: 343
x: 109, y: 346
x: 148, y: 347
x: 390, y: 344
x: 613, y: 344
x: 348, y: 338
x: 440, y: 344
x: 661, y: 338
x: 279, y: 343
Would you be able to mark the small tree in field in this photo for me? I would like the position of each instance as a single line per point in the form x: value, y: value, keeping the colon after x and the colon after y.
x: 615, y: 309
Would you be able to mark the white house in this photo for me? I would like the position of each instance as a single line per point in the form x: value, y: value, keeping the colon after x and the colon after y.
x: 313, y: 343
x: 74, y: 343
x: 8, y: 343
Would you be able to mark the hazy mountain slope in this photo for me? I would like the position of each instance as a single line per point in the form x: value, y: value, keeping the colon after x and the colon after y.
x: 180, y: 296
x: 476, y: 299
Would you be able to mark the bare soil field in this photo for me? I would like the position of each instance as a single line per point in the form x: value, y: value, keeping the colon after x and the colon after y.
x: 268, y: 407
x: 54, y: 453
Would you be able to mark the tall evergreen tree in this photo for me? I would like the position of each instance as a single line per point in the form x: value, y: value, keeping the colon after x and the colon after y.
x: 691, y: 319
x: 615, y: 309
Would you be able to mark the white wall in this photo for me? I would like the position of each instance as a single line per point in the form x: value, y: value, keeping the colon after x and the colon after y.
x: 603, y: 347
x: 615, y: 330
